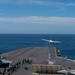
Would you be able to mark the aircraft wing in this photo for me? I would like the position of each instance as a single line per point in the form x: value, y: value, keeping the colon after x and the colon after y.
x: 6, y: 61
x: 57, y: 42
x: 45, y: 40
x: 63, y: 71
x: 72, y: 72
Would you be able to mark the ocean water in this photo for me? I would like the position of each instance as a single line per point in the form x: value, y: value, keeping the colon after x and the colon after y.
x: 9, y: 42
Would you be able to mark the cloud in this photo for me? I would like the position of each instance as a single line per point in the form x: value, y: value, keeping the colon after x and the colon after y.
x: 60, y: 6
x: 39, y: 2
x: 40, y: 20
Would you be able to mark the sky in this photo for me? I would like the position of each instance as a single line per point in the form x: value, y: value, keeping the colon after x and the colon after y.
x: 37, y: 16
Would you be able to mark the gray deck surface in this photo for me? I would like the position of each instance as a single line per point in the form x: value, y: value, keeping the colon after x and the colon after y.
x: 39, y: 55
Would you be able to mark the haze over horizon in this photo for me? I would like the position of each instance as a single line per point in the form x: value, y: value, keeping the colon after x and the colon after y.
x: 37, y: 16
